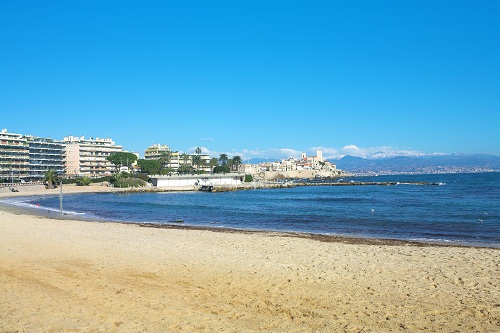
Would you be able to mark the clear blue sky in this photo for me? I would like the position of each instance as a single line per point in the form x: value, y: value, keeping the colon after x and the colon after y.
x: 256, y: 78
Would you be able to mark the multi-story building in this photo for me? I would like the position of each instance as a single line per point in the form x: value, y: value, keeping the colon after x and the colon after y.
x: 44, y: 154
x: 156, y: 151
x: 14, y: 157
x: 87, y: 157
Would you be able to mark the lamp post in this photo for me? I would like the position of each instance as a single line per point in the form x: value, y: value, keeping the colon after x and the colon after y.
x: 61, y: 197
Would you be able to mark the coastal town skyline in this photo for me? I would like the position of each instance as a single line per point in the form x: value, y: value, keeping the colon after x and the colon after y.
x: 269, y: 154
x: 256, y: 79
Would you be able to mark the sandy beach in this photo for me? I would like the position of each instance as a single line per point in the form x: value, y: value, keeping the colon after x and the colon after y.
x: 78, y: 276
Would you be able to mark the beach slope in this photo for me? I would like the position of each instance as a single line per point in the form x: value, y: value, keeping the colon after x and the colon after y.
x: 77, y: 276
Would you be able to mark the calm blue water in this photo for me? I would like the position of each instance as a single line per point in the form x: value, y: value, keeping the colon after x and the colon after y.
x: 465, y: 209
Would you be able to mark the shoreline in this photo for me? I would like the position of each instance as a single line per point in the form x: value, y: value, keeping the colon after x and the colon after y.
x: 70, y: 275
x: 97, y: 189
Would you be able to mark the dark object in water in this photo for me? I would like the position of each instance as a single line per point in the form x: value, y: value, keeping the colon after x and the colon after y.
x: 207, y: 188
x: 178, y: 221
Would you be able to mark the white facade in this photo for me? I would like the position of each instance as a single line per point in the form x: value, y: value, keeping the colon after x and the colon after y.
x: 229, y: 179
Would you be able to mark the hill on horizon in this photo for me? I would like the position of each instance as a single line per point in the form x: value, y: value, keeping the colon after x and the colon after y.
x: 419, y: 164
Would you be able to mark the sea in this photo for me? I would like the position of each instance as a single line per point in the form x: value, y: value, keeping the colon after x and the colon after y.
x: 456, y: 209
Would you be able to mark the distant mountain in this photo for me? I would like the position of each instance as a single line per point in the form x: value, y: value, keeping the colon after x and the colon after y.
x: 419, y: 164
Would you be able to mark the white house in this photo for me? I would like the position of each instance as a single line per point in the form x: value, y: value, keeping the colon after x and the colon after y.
x: 193, y: 181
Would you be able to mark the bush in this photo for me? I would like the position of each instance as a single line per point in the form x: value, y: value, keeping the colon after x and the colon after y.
x: 248, y: 178
x: 84, y: 181
x: 129, y: 182
x: 143, y: 176
x: 101, y: 179
x: 222, y: 169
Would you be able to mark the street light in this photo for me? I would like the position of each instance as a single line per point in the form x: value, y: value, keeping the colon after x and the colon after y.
x: 61, y: 196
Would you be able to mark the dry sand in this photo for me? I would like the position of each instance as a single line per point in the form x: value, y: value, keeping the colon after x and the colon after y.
x: 77, y: 276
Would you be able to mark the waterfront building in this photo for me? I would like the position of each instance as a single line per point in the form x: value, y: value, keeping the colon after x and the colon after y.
x: 156, y: 151
x: 190, y: 182
x: 14, y: 157
x: 177, y: 159
x: 87, y: 157
x: 44, y: 154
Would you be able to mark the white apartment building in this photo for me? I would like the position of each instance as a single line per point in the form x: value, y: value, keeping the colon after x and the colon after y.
x: 87, y: 157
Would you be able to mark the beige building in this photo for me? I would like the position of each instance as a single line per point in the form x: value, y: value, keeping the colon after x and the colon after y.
x: 306, y: 167
x: 177, y: 159
x: 87, y: 157
x: 155, y: 151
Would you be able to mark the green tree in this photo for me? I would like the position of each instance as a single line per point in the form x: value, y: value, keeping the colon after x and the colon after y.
x: 237, y: 162
x: 151, y: 167
x: 165, y: 158
x: 222, y: 169
x: 185, y: 169
x: 213, y: 163
x: 223, y: 159
x: 197, y: 161
x: 51, y: 178
x: 203, y: 164
x: 185, y: 158
x: 84, y: 181
x: 122, y: 159
x: 166, y: 171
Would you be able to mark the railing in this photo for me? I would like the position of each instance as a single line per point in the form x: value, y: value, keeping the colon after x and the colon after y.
x: 20, y: 184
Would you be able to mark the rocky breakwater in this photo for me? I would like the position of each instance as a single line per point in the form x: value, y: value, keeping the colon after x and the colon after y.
x: 291, y: 184
x: 355, y: 183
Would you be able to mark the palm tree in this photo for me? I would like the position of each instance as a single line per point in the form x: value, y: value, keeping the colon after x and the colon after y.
x: 197, y: 158
x: 185, y: 157
x: 223, y: 159
x: 51, y: 178
x: 203, y: 164
x: 237, y: 162
x: 165, y: 158
x: 197, y: 161
x: 213, y: 163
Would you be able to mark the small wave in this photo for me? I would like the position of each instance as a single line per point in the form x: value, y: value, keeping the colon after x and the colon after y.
x: 65, y: 212
x: 25, y: 204
x: 435, y: 240
x: 455, y: 241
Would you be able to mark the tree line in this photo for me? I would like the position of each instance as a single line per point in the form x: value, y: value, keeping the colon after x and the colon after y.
x: 162, y: 165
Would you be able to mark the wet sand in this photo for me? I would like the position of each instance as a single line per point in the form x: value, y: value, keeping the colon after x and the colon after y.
x: 77, y: 276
